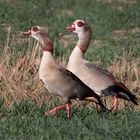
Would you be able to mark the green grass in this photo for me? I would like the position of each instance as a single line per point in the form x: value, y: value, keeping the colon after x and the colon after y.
x: 27, y: 121
x: 104, y: 17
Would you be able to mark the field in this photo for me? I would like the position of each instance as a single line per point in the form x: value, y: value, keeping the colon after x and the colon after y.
x: 115, y: 45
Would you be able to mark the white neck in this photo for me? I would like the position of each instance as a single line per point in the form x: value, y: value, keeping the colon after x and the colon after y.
x: 75, y: 57
x: 83, y: 37
x: 77, y: 53
x: 47, y: 59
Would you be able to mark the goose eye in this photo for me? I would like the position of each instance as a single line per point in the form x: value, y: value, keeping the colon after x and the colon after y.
x: 80, y: 24
x: 35, y: 29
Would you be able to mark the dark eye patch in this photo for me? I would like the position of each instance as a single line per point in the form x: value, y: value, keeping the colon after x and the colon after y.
x: 80, y: 24
x: 35, y: 29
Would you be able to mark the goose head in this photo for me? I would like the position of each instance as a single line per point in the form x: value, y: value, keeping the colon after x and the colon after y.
x: 36, y: 32
x: 78, y: 26
x: 40, y: 34
x: 81, y: 28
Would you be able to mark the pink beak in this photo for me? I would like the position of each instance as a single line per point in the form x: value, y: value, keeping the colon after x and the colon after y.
x: 70, y: 28
x: 28, y: 33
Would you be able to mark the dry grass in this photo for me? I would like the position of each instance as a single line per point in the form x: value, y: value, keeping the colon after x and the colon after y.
x: 19, y: 78
x: 20, y: 81
x: 128, y: 72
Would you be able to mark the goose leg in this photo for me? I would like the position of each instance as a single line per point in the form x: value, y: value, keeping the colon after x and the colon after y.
x: 115, y: 104
x: 55, y: 110
x: 68, y: 108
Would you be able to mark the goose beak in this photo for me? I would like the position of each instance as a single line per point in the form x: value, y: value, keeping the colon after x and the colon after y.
x: 70, y: 28
x: 28, y: 33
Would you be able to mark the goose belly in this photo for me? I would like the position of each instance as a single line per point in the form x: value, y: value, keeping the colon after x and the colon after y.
x: 50, y: 86
x: 96, y: 82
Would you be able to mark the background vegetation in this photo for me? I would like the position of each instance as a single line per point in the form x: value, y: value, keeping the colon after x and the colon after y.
x: 115, y: 45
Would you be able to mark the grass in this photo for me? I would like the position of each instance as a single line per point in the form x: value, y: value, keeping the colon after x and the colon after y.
x: 30, y: 123
x: 115, y: 45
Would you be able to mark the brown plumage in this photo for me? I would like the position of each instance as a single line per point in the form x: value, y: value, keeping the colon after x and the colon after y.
x: 57, y: 79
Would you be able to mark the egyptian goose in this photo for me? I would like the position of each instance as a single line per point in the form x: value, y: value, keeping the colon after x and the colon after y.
x: 57, y: 79
x: 97, y: 78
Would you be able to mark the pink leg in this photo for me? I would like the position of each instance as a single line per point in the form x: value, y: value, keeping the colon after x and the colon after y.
x: 115, y: 104
x: 68, y: 108
x: 55, y: 110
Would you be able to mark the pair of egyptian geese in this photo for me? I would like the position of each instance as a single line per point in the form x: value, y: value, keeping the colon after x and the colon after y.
x: 80, y: 80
